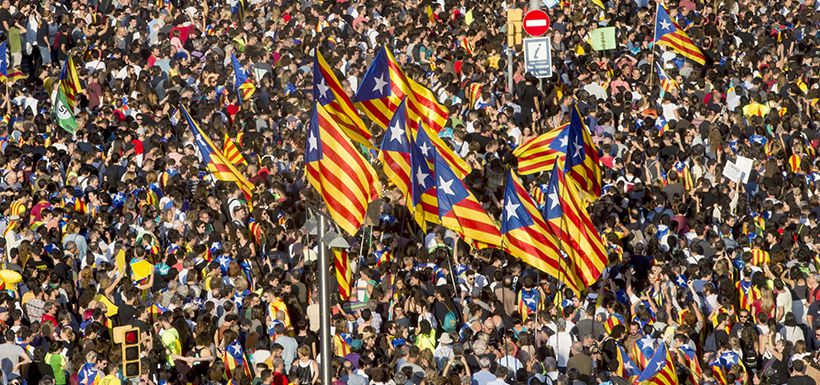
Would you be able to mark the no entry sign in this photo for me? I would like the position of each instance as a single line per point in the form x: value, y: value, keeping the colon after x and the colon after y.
x: 536, y: 22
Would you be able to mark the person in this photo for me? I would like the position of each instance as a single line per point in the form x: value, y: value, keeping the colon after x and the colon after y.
x: 12, y: 356
x: 799, y: 376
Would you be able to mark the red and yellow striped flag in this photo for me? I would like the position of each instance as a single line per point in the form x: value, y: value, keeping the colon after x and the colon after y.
x: 539, y: 154
x: 570, y: 222
x: 794, y: 163
x: 232, y: 152
x: 382, y: 89
x: 339, y: 172
x: 343, y: 274
x: 670, y: 34
x: 328, y: 91
x: 70, y: 82
x: 215, y: 162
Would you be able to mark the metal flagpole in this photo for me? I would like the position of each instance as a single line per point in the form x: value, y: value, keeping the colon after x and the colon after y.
x: 324, y: 304
x: 652, y: 50
x: 450, y: 264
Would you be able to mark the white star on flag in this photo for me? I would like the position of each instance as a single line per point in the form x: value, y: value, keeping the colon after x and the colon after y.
x: 396, y: 132
x: 420, y: 176
x: 446, y: 186
x: 425, y: 149
x: 553, y: 198
x: 563, y: 141
x: 665, y: 24
x: 323, y: 88
x: 313, y: 144
x: 510, y: 208
x: 380, y: 84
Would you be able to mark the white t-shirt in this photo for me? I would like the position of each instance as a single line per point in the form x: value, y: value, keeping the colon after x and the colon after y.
x: 784, y: 300
x: 561, y: 343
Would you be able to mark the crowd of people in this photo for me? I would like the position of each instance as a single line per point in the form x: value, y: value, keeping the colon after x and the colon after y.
x: 721, y: 270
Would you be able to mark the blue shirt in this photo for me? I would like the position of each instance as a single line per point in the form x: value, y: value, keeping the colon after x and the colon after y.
x: 482, y: 377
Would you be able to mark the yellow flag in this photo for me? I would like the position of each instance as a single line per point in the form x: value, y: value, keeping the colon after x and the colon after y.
x: 141, y: 270
x: 468, y: 18
x: 599, y: 3
x: 119, y: 261
x: 110, y: 308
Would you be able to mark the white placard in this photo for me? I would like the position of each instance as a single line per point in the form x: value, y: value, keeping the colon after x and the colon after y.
x: 745, y: 166
x: 731, y: 171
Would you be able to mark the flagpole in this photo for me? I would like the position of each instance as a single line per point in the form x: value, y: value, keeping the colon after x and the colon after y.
x: 324, y: 304
x: 450, y: 264
x: 652, y: 49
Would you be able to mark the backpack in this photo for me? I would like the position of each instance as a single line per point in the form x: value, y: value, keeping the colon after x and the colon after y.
x: 450, y: 322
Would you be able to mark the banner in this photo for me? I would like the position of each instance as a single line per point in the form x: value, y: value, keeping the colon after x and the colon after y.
x: 603, y: 39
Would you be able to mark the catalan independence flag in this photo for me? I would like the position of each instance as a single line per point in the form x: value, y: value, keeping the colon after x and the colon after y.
x: 233, y: 357
x: 242, y: 82
x: 214, y: 160
x: 667, y: 84
x: 684, y: 175
x: 724, y: 364
x: 460, y: 211
x: 70, y: 82
x: 423, y: 196
x: 643, y: 351
x: 395, y: 150
x: 569, y: 221
x: 582, y: 159
x: 529, y: 302
x: 660, y: 370
x: 8, y: 75
x: 525, y: 235
x: 794, y: 163
x: 662, y: 125
x: 89, y: 375
x: 540, y: 153
x: 473, y: 93
x: 339, y: 172
x: 328, y: 91
x: 344, y: 275
x: 424, y: 151
x: 232, y: 152
x: 626, y: 368
x: 382, y: 89
x: 692, y: 361
x: 669, y: 34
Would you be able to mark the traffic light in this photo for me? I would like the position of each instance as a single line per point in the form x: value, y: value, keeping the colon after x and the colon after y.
x: 129, y: 338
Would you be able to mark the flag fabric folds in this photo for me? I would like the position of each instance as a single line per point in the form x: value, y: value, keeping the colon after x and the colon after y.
x: 422, y: 161
x: 569, y: 221
x: 215, y: 162
x: 460, y: 211
x: 670, y: 34
x: 233, y: 357
x: 63, y: 113
x: 7, y: 74
x: 232, y: 152
x: 344, y: 276
x: 524, y: 233
x: 346, y: 182
x: 328, y: 91
x: 70, y: 82
x: 660, y: 370
x: 643, y: 350
x: 395, y: 150
x: 540, y: 153
x: 88, y: 375
x: 725, y: 363
x: 382, y: 89
x: 662, y: 125
x: 582, y: 161
x: 242, y: 82
x: 692, y: 363
x: 626, y: 368
x: 667, y: 84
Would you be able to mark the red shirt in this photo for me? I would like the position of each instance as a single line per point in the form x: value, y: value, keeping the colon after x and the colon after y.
x: 139, y: 149
x: 49, y: 318
x: 279, y: 379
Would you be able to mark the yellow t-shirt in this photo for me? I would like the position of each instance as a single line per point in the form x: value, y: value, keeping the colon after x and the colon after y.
x: 110, y: 379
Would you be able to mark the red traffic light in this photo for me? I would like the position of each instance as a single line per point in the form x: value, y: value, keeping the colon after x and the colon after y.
x: 131, y: 337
